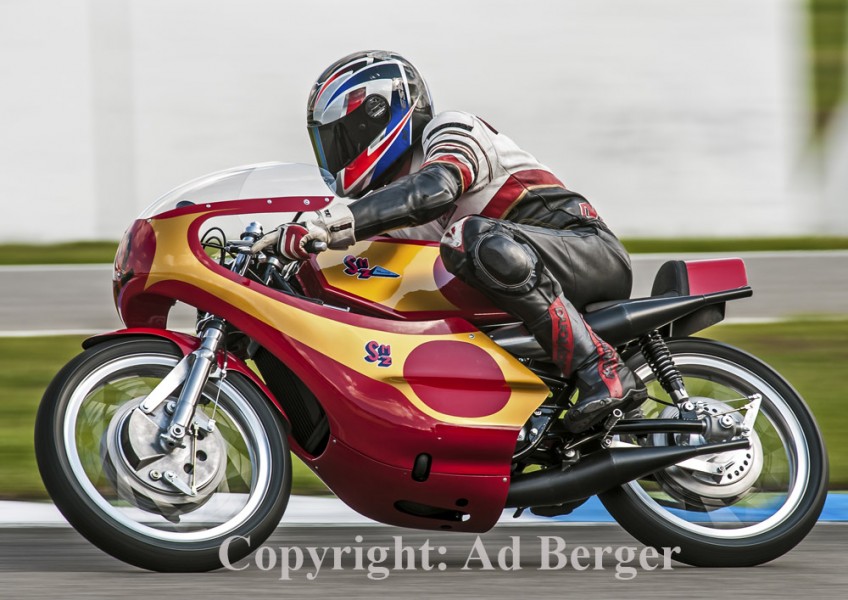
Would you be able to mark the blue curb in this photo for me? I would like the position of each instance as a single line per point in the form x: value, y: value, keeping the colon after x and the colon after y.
x: 835, y: 509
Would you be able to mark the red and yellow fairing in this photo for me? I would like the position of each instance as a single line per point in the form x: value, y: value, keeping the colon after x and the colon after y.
x: 448, y: 390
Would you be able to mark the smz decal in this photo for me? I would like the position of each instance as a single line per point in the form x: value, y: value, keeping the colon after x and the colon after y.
x: 357, y: 266
x: 378, y: 353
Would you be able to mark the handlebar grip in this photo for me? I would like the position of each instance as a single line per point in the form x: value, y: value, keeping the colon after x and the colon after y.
x: 315, y: 246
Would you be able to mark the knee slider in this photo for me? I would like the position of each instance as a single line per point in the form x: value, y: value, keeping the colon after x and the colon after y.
x: 504, y: 263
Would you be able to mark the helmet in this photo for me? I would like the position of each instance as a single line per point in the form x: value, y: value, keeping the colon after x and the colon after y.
x: 364, y: 113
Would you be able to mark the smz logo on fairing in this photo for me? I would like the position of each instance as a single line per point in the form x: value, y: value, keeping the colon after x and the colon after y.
x: 357, y: 266
x: 378, y: 353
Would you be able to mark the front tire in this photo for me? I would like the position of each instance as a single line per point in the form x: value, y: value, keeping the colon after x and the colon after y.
x: 781, y: 506
x: 127, y: 513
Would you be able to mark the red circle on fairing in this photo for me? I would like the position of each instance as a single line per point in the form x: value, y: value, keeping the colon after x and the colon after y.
x: 456, y: 378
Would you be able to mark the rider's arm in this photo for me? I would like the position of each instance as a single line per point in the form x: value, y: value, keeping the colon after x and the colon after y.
x: 414, y: 199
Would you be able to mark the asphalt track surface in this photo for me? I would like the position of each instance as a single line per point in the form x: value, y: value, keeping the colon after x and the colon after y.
x: 59, y: 563
x: 49, y: 299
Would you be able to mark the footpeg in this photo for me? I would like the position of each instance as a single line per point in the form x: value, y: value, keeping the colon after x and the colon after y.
x: 611, y: 422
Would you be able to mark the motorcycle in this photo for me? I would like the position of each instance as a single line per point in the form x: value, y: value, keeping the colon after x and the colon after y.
x: 411, y: 397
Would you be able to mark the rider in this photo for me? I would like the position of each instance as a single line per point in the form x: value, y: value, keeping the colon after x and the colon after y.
x: 508, y: 227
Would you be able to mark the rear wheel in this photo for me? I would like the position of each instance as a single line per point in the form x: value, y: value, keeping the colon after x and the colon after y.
x: 738, y: 508
x: 101, y: 460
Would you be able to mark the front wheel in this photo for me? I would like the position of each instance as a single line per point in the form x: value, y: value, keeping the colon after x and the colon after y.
x: 102, y: 462
x: 730, y: 509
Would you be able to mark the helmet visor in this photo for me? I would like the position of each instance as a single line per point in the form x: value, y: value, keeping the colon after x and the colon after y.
x: 336, y: 144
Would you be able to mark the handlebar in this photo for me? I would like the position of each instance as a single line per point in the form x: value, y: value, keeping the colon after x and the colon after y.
x: 269, y: 268
x: 271, y: 238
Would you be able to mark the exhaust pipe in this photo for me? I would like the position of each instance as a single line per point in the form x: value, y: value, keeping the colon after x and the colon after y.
x: 602, y: 471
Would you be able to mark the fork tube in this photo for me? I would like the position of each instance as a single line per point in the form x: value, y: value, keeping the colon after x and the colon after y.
x: 204, y: 360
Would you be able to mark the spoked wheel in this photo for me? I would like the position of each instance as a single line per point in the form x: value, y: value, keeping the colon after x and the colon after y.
x: 738, y: 508
x: 102, y: 462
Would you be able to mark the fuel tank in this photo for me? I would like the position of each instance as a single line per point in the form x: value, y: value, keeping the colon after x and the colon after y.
x: 401, y: 279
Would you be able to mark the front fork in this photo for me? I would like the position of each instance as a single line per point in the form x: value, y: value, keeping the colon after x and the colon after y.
x: 194, y: 369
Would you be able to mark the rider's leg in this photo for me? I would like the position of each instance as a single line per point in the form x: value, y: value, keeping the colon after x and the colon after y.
x: 503, y: 261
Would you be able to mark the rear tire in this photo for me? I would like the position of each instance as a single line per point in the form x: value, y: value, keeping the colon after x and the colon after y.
x: 655, y: 525
x: 104, y: 522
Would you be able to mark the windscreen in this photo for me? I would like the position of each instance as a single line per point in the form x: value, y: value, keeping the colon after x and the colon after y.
x: 265, y: 180
x: 251, y: 182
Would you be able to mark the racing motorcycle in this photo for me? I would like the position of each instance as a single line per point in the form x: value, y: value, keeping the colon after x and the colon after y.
x: 411, y: 397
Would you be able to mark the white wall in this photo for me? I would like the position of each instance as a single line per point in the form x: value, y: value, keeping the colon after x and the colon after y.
x: 833, y: 177
x: 675, y: 118
x: 46, y: 150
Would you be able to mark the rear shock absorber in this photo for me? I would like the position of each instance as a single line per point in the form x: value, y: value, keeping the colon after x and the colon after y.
x: 662, y: 364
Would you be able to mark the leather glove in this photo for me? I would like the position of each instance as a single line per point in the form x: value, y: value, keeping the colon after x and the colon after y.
x: 331, y: 227
x: 291, y: 242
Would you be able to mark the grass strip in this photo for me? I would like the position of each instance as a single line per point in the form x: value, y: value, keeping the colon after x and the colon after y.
x: 70, y: 253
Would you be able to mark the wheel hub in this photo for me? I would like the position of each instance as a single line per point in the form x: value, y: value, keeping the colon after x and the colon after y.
x: 169, y: 483
x: 721, y: 479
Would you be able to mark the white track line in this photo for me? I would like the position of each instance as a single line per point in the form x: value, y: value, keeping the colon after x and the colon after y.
x: 23, y: 333
x: 43, y: 268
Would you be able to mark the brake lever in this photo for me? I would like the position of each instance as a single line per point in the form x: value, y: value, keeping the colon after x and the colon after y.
x: 269, y: 239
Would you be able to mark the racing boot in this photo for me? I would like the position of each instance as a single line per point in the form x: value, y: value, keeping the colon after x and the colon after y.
x: 603, y: 381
